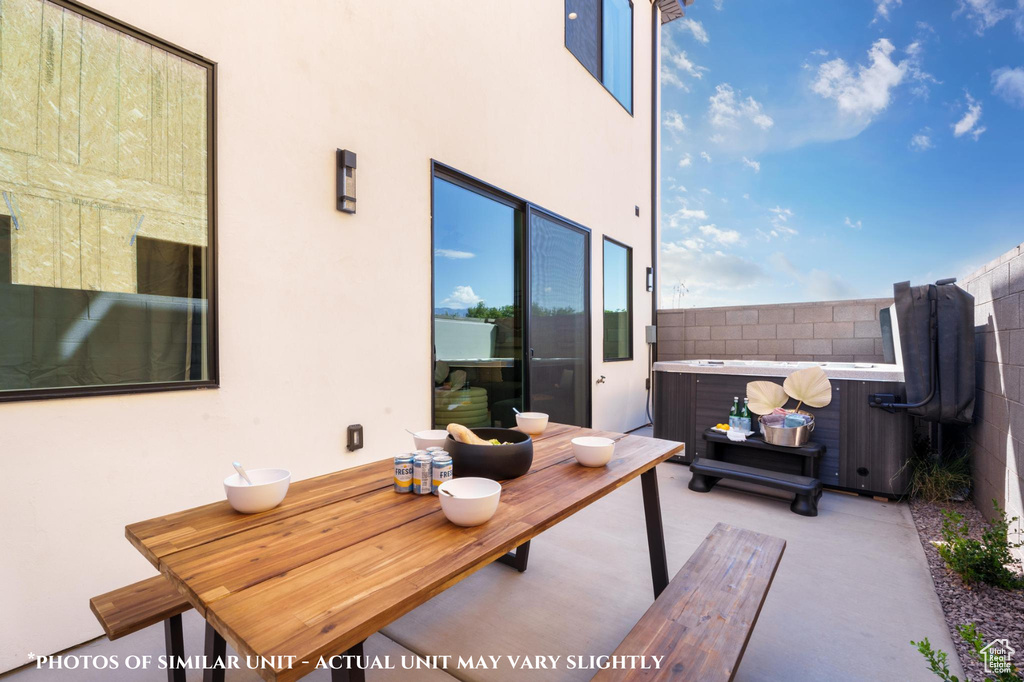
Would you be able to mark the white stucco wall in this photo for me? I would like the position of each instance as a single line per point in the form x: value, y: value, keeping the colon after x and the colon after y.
x: 324, y: 317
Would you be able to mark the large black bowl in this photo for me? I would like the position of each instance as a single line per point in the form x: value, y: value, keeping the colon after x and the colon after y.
x: 496, y: 462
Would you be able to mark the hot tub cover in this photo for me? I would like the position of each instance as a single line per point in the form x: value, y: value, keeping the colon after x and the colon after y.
x: 951, y: 366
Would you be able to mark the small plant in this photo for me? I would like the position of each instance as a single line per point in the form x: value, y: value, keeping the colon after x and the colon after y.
x: 934, y: 478
x: 986, y: 560
x: 938, y: 660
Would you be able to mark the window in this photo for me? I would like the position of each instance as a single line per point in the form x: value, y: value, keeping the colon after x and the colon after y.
x: 106, y: 231
x: 618, y: 301
x: 600, y: 34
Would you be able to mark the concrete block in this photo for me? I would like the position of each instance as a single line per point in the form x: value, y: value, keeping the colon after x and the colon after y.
x: 853, y: 346
x: 741, y: 346
x: 833, y: 358
x: 869, y: 329
x: 1016, y: 355
x: 734, y: 332
x: 671, y: 350
x: 1007, y: 312
x: 675, y: 318
x: 759, y: 331
x: 696, y: 333
x: 775, y: 346
x: 670, y: 334
x: 690, y: 318
x: 747, y: 316
x: 689, y: 349
x: 853, y: 313
x: 709, y: 318
x: 833, y: 330
x: 1015, y: 283
x: 812, y: 346
x: 709, y: 349
x: 795, y: 331
x: 812, y: 313
x: 795, y: 358
x: 775, y: 315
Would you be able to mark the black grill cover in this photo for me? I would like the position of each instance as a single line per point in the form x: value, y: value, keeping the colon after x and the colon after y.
x: 954, y: 372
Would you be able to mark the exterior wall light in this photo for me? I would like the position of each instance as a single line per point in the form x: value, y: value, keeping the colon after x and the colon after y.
x: 346, y: 181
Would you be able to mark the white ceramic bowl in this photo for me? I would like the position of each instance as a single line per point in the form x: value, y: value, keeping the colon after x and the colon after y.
x: 268, y: 488
x: 532, y: 423
x: 475, y: 501
x: 593, y: 451
x: 430, y: 438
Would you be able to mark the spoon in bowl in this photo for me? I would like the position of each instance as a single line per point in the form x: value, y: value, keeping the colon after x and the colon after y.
x: 241, y: 472
x: 447, y: 492
x: 516, y: 411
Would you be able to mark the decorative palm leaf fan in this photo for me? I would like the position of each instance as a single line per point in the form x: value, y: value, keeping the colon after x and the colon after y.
x: 809, y: 386
x: 765, y: 396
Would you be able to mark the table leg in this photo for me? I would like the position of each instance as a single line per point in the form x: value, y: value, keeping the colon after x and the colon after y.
x: 351, y: 673
x: 517, y: 559
x: 216, y: 656
x: 174, y: 642
x: 655, y: 532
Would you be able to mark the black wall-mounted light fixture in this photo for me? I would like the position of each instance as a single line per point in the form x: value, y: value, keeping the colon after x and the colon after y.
x: 346, y: 181
x: 650, y: 279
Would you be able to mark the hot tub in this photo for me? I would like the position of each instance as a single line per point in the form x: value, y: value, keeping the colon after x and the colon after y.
x: 867, y: 448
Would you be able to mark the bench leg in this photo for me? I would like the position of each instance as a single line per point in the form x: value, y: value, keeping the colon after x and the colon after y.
x: 350, y: 673
x: 216, y: 650
x: 699, y: 483
x: 805, y: 505
x: 517, y: 559
x: 174, y: 642
x: 655, y: 531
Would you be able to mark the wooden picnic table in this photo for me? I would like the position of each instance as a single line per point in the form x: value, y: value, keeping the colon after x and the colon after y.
x: 344, y: 555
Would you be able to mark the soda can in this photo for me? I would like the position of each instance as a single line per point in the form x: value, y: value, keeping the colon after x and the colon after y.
x: 403, y: 473
x: 435, y: 449
x: 421, y: 472
x: 441, y: 470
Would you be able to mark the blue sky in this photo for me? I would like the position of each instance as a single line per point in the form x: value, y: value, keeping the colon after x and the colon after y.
x: 821, y: 149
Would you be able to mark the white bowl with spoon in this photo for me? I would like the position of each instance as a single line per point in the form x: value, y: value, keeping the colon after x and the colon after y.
x: 256, y: 490
x: 469, y: 501
x: 532, y: 423
x: 429, y: 438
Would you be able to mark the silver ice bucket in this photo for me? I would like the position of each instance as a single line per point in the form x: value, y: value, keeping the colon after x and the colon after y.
x: 787, y: 438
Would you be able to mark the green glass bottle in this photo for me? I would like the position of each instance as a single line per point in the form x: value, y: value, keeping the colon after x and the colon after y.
x: 734, y: 414
x: 745, y: 418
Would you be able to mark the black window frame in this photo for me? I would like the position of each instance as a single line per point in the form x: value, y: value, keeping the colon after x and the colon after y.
x: 212, y: 332
x: 451, y: 174
x: 600, y: 36
x: 629, y: 297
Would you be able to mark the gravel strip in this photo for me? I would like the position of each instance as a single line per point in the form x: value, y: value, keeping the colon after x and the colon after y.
x: 997, y: 613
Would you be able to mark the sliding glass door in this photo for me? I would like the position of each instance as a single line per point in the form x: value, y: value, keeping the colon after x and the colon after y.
x: 478, y: 307
x: 559, y: 325
x: 494, y: 258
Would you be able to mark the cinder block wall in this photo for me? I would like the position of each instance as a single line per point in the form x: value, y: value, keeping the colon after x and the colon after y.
x: 831, y: 331
x: 997, y: 437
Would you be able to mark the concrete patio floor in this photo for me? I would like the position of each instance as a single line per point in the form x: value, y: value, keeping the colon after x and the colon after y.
x: 852, y: 590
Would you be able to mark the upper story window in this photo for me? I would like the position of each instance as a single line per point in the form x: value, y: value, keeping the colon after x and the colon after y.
x: 600, y: 34
x: 106, y: 231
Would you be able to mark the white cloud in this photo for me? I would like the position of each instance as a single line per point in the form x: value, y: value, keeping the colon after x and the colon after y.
x: 717, y: 138
x: 723, y: 237
x: 453, y: 254
x: 696, y: 28
x: 922, y: 141
x: 685, y: 161
x: 685, y: 217
x: 701, y: 276
x: 461, y: 297
x: 705, y: 190
x: 866, y: 91
x: 825, y: 285
x: 705, y: 156
x: 852, y: 225
x: 780, y: 227
x: 984, y: 14
x: 1009, y: 84
x: 681, y: 61
x: 747, y: 197
x: 882, y: 8
x: 675, y: 62
x: 820, y: 52
x: 750, y: 163
x: 969, y: 122
x: 726, y: 109
x: 669, y: 77
x: 718, y: 4
x: 674, y: 123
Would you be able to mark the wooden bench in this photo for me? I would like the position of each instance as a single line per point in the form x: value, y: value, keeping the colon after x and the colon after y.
x: 705, y: 473
x: 702, y: 622
x: 132, y: 608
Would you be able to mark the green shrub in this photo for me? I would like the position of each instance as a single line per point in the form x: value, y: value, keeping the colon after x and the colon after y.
x: 938, y: 660
x: 986, y: 560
